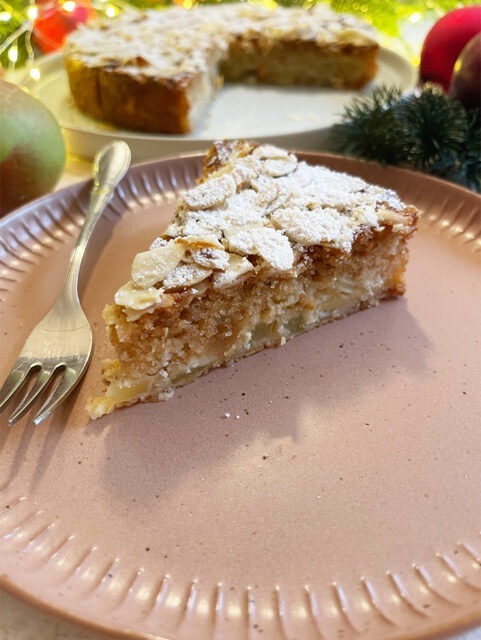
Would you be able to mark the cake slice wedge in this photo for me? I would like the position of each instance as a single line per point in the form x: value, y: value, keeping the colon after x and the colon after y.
x: 263, y: 248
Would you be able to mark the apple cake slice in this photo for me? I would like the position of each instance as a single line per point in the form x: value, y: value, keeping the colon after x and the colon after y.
x: 263, y: 248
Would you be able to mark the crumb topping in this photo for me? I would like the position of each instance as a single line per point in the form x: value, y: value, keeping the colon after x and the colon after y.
x: 258, y: 211
x: 176, y: 41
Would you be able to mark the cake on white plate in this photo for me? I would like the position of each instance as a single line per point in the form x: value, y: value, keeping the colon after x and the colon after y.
x: 263, y: 248
x: 157, y: 70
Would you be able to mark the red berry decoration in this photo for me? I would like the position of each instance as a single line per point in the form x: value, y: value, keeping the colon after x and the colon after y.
x: 466, y: 80
x: 57, y: 19
x: 445, y: 41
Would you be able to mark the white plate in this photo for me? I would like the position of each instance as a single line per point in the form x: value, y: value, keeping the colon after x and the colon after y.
x: 298, y: 117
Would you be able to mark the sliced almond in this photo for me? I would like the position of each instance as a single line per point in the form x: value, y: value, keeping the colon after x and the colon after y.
x: 237, y: 267
x: 185, y: 275
x: 131, y: 297
x: 266, y: 187
x: 390, y: 217
x: 266, y: 151
x: 199, y: 242
x: 319, y: 226
x: 267, y: 195
x: 151, y: 267
x: 271, y: 245
x: 280, y: 167
x: 245, y: 171
x: 158, y: 242
x: 211, y: 258
x: 211, y: 193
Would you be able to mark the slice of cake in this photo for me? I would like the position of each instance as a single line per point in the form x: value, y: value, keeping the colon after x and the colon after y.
x: 158, y: 70
x: 264, y: 248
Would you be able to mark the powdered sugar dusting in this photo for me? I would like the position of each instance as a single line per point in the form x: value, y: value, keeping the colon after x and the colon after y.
x: 176, y: 41
x: 258, y: 211
x: 211, y: 193
x: 319, y: 226
x: 270, y: 244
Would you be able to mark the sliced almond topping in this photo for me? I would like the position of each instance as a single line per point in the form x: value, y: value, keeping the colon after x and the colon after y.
x: 185, y: 275
x: 270, y: 244
x: 245, y: 172
x: 281, y: 199
x: 280, y: 167
x: 267, y: 195
x: 266, y: 151
x: 319, y: 226
x: 199, y: 242
x: 130, y: 297
x: 388, y: 216
x: 355, y: 37
x: 237, y: 267
x: 212, y: 193
x: 151, y: 267
x: 158, y: 242
x: 211, y: 258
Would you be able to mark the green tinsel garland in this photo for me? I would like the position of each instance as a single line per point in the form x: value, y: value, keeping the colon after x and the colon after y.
x: 426, y: 131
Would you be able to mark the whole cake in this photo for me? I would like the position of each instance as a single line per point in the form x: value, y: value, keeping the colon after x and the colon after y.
x: 158, y: 70
x: 264, y: 248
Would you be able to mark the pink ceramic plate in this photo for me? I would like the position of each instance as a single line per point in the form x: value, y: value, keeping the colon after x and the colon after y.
x: 339, y: 499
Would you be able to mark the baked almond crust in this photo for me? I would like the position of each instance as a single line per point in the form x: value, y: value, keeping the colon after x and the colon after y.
x: 263, y: 249
x: 157, y: 71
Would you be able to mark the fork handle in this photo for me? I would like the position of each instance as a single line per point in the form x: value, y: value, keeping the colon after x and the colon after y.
x: 110, y: 165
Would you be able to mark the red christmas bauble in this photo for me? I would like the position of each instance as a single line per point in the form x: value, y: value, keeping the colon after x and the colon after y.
x: 57, y: 19
x: 445, y: 41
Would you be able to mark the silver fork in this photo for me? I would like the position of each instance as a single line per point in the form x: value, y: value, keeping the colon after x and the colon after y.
x: 61, y: 343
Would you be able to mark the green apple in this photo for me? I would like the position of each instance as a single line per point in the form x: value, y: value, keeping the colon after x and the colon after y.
x: 32, y: 149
